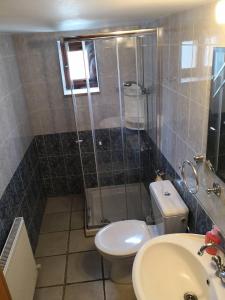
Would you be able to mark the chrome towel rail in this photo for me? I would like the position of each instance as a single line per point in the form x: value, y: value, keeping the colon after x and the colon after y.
x: 190, y: 164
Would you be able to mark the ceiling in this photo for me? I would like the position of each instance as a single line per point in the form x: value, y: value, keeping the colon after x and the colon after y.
x: 64, y: 15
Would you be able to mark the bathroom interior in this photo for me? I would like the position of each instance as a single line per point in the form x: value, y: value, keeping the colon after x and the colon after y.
x: 112, y: 170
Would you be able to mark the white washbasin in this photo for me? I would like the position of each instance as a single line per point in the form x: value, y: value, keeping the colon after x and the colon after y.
x: 167, y: 267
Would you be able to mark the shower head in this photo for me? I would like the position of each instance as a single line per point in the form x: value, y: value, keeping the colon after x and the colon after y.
x: 129, y: 83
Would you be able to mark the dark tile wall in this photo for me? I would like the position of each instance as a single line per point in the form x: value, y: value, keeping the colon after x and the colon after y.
x: 117, y: 153
x: 51, y: 166
x: 152, y: 160
x: 60, y: 163
x: 24, y: 197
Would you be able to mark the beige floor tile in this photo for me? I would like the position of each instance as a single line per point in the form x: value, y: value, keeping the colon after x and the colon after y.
x: 78, y: 202
x: 52, y: 244
x: 58, y: 204
x: 77, y: 220
x: 55, y: 222
x: 85, y: 291
x: 78, y: 241
x: 84, y: 266
x: 52, y: 293
x: 52, y: 270
x: 119, y: 291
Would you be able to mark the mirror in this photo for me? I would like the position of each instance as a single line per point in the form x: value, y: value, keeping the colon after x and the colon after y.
x: 216, y: 126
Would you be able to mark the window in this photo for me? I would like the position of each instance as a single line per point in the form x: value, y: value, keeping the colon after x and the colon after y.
x: 73, y: 64
x: 188, y: 55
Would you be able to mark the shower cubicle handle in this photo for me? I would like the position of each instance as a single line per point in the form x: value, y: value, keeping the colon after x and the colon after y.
x: 79, y: 141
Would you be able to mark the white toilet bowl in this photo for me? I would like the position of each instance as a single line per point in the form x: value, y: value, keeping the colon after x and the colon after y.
x: 118, y: 243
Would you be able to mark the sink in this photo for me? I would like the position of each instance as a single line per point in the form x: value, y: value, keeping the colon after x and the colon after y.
x: 168, y: 267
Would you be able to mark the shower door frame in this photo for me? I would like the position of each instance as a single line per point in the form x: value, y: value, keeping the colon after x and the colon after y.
x: 112, y: 35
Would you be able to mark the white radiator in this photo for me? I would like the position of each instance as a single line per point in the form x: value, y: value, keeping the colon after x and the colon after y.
x: 18, y: 264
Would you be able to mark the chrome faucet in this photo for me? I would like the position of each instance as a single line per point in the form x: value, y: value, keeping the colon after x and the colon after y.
x: 220, y: 272
x: 210, y: 245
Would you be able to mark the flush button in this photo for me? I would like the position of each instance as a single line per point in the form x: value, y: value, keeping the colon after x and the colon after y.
x: 166, y: 194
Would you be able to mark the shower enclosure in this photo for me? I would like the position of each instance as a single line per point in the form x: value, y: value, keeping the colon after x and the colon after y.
x: 113, y: 116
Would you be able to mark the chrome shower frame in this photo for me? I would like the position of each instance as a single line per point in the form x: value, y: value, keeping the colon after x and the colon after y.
x: 113, y: 35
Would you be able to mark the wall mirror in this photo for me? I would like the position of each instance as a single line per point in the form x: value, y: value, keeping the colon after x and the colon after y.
x: 216, y: 125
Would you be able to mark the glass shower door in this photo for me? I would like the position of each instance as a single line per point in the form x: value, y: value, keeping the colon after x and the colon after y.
x: 110, y: 125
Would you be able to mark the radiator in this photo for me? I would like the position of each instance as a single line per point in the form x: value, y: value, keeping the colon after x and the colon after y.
x: 18, y: 264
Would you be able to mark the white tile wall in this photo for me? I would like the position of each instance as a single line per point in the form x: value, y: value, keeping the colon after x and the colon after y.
x: 185, y: 104
x: 50, y: 111
x: 15, y: 133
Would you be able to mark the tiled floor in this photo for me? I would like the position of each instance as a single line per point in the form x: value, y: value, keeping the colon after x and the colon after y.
x: 71, y: 268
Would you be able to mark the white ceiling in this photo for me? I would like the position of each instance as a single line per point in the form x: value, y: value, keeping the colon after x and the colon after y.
x: 63, y: 15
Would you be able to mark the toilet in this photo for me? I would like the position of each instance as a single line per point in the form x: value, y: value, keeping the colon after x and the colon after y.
x: 119, y: 242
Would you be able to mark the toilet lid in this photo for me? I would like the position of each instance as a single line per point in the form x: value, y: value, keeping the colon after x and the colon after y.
x: 122, y: 238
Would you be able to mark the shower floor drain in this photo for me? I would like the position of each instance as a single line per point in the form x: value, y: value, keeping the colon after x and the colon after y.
x: 190, y: 296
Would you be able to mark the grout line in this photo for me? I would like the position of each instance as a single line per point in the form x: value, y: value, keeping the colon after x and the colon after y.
x: 67, y: 252
x: 87, y: 281
x: 103, y: 278
x: 69, y: 283
x: 66, y: 230
x: 61, y: 212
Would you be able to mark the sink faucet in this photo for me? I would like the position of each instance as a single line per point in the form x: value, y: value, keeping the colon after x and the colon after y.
x: 210, y: 245
x: 220, y: 272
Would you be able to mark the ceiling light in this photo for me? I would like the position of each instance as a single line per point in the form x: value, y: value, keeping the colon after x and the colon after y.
x: 220, y: 12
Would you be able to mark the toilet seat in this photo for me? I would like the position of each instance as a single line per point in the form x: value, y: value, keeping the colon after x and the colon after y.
x: 123, y: 238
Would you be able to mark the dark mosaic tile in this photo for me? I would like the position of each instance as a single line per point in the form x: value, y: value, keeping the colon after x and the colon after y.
x: 40, y: 145
x: 104, y: 161
x: 18, y: 184
x: 22, y: 195
x: 48, y: 187
x: 87, y: 142
x: 38, y: 216
x: 33, y: 233
x: 60, y: 186
x: 26, y: 212
x: 31, y: 200
x: 3, y: 236
x: 132, y: 139
x: 88, y: 161
x: 35, y: 187
x: 33, y: 152
x: 69, y: 143
x: 118, y: 162
x: 116, y: 139
x: 25, y: 173
x: 132, y: 159
x: 203, y: 222
x: 11, y: 197
x: 75, y: 184
x: 45, y: 167
x: 90, y: 180
x: 106, y: 179
x: 6, y: 215
x: 28, y: 159
x: 133, y: 175
x: 53, y: 144
x: 182, y: 190
x: 102, y: 139
x: 170, y: 172
x: 57, y: 165
x: 119, y: 177
x: 73, y: 164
